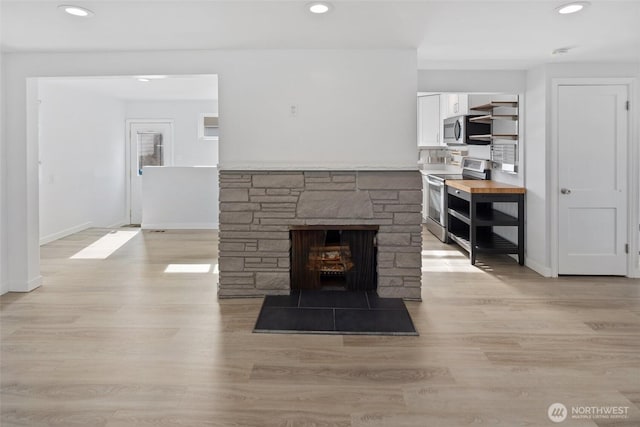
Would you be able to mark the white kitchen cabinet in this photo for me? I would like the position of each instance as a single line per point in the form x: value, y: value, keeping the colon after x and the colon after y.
x: 456, y: 104
x: 428, y: 120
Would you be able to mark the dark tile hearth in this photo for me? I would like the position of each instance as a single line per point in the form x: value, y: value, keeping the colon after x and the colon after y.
x: 334, y: 312
x: 333, y: 299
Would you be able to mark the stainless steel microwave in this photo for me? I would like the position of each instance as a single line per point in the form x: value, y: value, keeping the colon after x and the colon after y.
x: 458, y: 130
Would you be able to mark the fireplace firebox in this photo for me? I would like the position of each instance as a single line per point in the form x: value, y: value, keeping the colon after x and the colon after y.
x: 334, y: 258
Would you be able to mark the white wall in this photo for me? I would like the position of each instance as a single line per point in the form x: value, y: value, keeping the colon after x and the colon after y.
x: 505, y: 81
x: 180, y: 197
x: 4, y: 283
x: 82, y: 156
x: 188, y: 149
x: 535, y: 151
x: 356, y: 108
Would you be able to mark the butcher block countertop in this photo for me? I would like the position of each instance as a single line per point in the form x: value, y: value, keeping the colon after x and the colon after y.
x: 479, y: 186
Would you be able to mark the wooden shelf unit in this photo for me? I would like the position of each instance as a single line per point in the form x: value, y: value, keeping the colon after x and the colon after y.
x: 490, y: 106
x: 493, y: 136
x: 490, y: 117
x: 486, y: 137
x: 471, y: 217
x: 506, y: 160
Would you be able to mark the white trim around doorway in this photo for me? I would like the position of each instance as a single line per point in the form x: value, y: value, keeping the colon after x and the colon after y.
x: 127, y: 160
x: 633, y: 171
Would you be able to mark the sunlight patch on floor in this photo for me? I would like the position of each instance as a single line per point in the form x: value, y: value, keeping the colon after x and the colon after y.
x: 446, y: 261
x: 188, y: 268
x: 436, y: 253
x: 106, y: 245
x: 451, y: 268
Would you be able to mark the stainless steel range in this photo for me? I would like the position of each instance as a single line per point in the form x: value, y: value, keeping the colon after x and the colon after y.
x: 437, y: 219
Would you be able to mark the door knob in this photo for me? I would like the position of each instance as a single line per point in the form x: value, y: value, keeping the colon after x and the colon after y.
x: 565, y: 191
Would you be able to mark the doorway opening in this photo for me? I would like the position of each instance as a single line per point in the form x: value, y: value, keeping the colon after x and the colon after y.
x: 149, y: 144
x: 591, y: 164
x: 91, y: 170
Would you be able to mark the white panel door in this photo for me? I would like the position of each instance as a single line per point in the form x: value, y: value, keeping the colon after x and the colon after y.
x: 149, y: 145
x: 592, y: 178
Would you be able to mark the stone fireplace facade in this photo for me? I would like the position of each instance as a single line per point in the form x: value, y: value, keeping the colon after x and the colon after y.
x: 259, y: 208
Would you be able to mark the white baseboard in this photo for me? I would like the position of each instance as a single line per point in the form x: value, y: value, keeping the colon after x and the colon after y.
x: 34, y: 283
x: 64, y: 233
x: 4, y: 288
x: 119, y: 224
x: 30, y: 285
x: 181, y: 226
x: 537, y: 267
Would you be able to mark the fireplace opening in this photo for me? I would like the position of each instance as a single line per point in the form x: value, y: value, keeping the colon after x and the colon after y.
x: 336, y: 258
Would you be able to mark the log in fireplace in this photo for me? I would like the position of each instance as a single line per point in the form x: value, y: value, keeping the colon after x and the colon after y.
x: 334, y: 257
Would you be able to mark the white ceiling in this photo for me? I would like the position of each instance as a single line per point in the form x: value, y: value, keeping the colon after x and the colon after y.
x: 204, y: 87
x: 513, y: 34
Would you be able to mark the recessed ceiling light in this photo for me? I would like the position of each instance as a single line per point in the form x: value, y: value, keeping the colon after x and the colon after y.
x: 319, y: 7
x: 76, y: 10
x: 574, y: 7
x: 142, y: 79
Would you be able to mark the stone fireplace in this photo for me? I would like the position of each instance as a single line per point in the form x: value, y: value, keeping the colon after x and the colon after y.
x: 259, y: 211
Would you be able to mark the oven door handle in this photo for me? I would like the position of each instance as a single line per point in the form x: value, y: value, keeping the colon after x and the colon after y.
x: 435, y: 182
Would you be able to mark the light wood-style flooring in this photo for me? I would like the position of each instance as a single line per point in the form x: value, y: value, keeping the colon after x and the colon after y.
x: 119, y: 342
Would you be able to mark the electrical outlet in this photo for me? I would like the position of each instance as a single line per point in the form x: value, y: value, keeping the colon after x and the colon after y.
x: 293, y: 110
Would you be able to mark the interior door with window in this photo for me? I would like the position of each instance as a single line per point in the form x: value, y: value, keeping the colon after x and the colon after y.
x: 592, y: 178
x: 149, y: 145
